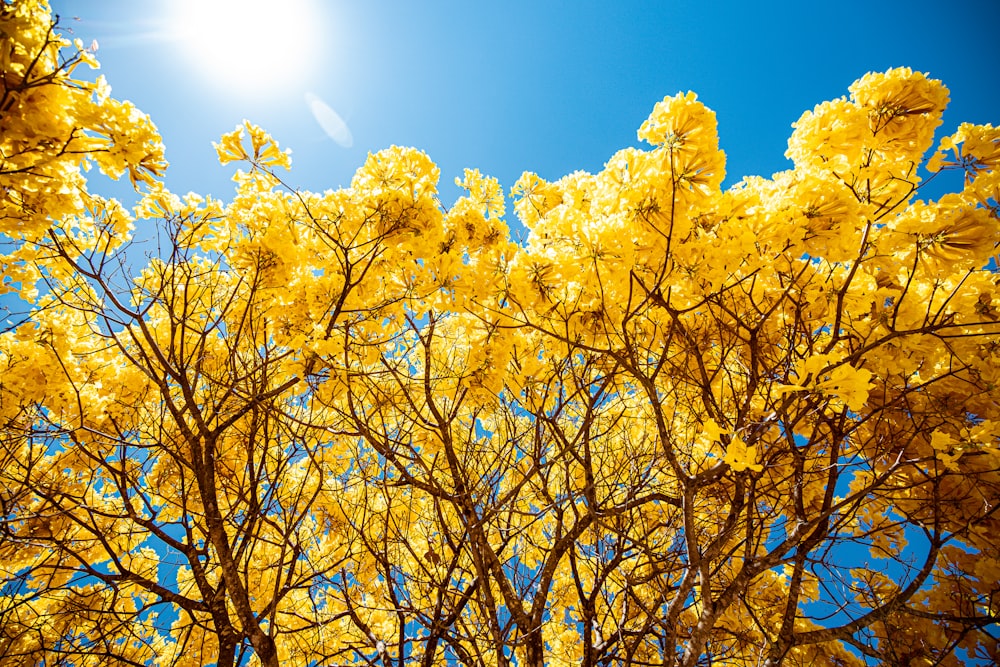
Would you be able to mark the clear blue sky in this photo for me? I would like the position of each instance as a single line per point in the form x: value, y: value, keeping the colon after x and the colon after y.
x: 510, y: 86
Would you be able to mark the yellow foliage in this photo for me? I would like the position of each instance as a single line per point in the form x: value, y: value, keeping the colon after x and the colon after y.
x: 358, y: 426
x: 53, y: 128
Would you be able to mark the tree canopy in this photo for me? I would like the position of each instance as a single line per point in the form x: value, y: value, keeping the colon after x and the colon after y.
x: 677, y: 425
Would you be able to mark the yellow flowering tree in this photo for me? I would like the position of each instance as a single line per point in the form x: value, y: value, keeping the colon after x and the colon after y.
x: 678, y: 425
x: 53, y: 128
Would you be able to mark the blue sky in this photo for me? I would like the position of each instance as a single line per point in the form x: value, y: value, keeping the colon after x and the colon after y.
x: 505, y: 87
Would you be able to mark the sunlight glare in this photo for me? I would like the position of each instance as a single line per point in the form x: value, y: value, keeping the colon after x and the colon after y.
x: 249, y: 46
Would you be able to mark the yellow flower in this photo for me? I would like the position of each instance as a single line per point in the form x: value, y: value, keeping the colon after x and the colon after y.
x: 827, y: 375
x: 741, y: 457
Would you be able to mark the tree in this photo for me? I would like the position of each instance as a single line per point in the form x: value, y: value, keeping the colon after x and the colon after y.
x: 53, y: 127
x: 678, y: 425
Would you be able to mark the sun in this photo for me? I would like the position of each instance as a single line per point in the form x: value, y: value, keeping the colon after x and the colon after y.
x: 249, y: 46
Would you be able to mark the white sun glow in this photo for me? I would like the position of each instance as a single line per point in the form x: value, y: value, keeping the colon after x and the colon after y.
x: 248, y: 46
